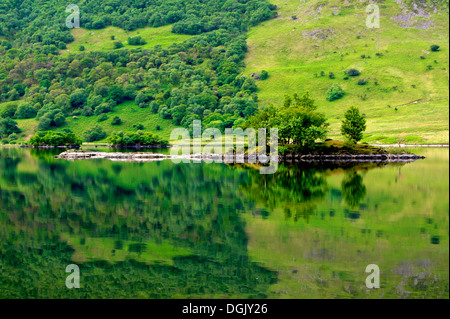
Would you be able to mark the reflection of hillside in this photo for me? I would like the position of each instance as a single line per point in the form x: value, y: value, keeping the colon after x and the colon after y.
x: 190, y: 206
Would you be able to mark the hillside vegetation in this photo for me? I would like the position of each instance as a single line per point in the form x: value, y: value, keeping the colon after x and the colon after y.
x: 405, y: 94
x: 164, y: 65
x: 179, y: 60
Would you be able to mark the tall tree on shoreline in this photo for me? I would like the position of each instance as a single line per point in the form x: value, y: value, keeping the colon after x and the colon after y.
x: 353, y: 125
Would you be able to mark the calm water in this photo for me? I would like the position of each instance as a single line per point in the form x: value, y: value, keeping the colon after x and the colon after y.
x: 165, y: 230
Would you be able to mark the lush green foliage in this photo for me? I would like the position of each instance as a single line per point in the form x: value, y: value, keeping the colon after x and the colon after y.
x: 334, y: 92
x: 138, y: 138
x: 8, y: 126
x: 434, y: 47
x: 187, y: 81
x: 297, y: 121
x: 353, y: 72
x: 51, y: 138
x: 25, y: 111
x: 353, y: 125
x: 95, y: 134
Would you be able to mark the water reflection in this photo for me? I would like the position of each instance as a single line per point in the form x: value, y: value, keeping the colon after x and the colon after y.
x: 164, y: 230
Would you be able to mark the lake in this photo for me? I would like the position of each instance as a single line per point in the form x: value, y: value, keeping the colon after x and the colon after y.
x: 166, y: 230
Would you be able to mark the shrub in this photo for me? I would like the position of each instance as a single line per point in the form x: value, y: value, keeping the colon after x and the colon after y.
x: 102, y: 117
x: 82, y: 48
x: 8, y: 126
x: 13, y: 137
x: 136, y: 41
x: 50, y: 138
x: 116, y: 121
x: 8, y: 111
x: 264, y: 75
x: 362, y: 82
x: 94, y: 134
x: 334, y: 92
x: 44, y: 123
x: 118, y: 45
x: 331, y: 75
x: 434, y: 48
x: 158, y: 128
x: 138, y: 127
x: 25, y: 111
x: 352, y: 72
x: 103, y: 108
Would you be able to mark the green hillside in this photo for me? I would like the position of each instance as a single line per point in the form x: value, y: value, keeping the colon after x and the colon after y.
x: 94, y: 40
x: 403, y: 97
x: 207, y: 66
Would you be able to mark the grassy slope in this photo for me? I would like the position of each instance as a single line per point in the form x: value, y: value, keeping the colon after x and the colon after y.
x: 100, y: 40
x: 283, y: 47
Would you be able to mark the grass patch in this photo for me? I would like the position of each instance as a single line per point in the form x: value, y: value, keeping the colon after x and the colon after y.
x: 100, y: 40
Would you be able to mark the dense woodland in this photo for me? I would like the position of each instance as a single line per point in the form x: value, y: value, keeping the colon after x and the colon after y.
x: 197, y: 79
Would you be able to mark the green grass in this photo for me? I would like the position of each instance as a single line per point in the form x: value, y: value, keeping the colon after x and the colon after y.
x: 100, y: 40
x: 128, y: 112
x: 283, y: 47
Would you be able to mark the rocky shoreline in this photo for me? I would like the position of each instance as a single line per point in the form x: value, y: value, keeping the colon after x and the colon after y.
x: 230, y: 158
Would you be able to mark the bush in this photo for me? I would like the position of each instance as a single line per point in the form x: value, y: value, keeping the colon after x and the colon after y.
x: 362, y: 82
x: 13, y: 137
x: 352, y: 72
x: 25, y: 111
x: 8, y: 126
x: 118, y: 45
x: 94, y: 134
x: 116, y: 121
x: 335, y: 92
x: 139, y: 127
x: 82, y: 48
x: 434, y: 48
x: 264, y: 75
x: 103, y: 108
x: 44, y: 123
x: 50, y: 138
x: 136, y: 139
x: 136, y: 41
x: 158, y: 128
x: 331, y: 75
x: 8, y: 111
x: 103, y: 117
